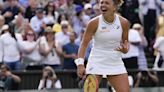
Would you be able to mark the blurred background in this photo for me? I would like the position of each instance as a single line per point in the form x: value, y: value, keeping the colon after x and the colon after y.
x: 39, y: 40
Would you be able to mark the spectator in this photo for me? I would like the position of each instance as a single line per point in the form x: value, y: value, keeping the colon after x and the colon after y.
x: 30, y: 10
x: 19, y: 23
x: 159, y: 46
x: 57, y: 26
x: 129, y: 10
x: 10, y: 9
x: 142, y: 61
x: 49, y: 80
x: 63, y: 36
x: 130, y: 59
x: 68, y: 8
x: 70, y: 51
x: 87, y: 13
x: 8, y: 81
x: 50, y: 50
x: 146, y: 79
x: 51, y: 14
x: 149, y: 10
x: 96, y: 10
x: 9, y: 49
x: 77, y: 20
x: 158, y: 42
x: 30, y: 49
x: 37, y: 22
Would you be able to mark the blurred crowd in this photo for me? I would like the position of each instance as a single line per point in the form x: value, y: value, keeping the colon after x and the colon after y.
x: 47, y: 33
x: 43, y: 32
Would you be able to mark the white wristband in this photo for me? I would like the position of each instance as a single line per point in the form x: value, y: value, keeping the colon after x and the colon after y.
x: 79, y: 61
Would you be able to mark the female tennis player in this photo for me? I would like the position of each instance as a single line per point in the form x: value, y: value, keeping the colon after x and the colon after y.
x: 110, y: 39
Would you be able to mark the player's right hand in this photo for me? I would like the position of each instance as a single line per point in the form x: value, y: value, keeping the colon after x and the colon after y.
x: 80, y: 71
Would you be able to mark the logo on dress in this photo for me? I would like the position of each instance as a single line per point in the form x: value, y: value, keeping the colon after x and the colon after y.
x: 103, y: 27
x: 117, y: 27
x: 90, y: 68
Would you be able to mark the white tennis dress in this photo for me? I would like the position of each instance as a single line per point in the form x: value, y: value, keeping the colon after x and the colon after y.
x: 104, y: 59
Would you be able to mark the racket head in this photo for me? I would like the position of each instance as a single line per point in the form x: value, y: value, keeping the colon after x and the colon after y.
x: 90, y: 83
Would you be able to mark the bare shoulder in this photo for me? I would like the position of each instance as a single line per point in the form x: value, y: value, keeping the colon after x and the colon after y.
x: 124, y: 22
x: 93, y: 23
x: 94, y: 20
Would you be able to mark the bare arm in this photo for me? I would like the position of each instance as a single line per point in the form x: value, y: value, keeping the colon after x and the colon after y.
x: 139, y: 75
x: 68, y: 55
x: 137, y: 83
x: 153, y: 77
x: 43, y: 49
x: 29, y: 50
x: 90, y: 31
x: 59, y: 50
x: 14, y: 77
x: 125, y: 44
x: 144, y: 41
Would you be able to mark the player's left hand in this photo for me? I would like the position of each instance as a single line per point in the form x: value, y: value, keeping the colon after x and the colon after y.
x: 124, y: 47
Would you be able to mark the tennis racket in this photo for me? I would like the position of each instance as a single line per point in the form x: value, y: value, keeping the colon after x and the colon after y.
x: 90, y: 84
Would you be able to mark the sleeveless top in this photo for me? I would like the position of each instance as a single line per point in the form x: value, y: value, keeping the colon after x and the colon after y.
x: 106, y: 39
x: 108, y: 35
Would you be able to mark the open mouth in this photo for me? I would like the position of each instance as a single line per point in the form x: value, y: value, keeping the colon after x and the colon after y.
x: 103, y: 9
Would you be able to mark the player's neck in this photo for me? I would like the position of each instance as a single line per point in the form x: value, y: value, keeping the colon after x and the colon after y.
x: 109, y: 19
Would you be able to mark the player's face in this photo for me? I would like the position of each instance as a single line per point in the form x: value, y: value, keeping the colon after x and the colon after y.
x: 107, y: 6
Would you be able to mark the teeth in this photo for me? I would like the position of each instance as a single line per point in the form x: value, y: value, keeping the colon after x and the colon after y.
x: 103, y: 9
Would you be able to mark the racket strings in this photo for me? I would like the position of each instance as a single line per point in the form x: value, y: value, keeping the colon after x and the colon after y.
x: 90, y: 84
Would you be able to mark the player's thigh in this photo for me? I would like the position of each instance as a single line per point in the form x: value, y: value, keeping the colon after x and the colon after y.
x: 119, y: 82
x: 99, y: 78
